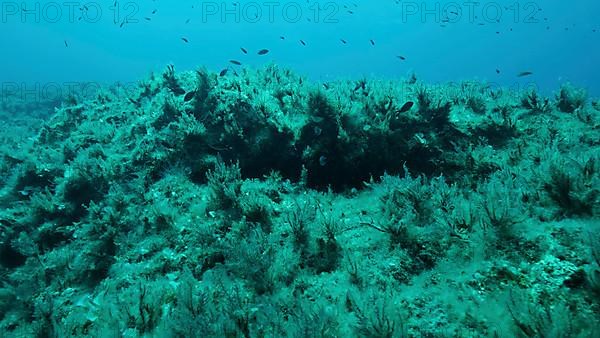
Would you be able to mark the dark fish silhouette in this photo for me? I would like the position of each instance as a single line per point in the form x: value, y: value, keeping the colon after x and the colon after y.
x: 522, y: 74
x: 405, y: 107
x: 185, y: 40
x: 243, y: 50
x: 235, y: 62
x: 189, y: 96
x: 401, y: 57
x: 263, y: 52
x: 303, y: 43
x: 224, y: 72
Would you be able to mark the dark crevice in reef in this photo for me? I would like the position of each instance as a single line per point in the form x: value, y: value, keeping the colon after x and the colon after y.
x: 315, y: 134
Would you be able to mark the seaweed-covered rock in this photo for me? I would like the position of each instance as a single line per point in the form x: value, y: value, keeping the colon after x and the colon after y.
x: 260, y: 204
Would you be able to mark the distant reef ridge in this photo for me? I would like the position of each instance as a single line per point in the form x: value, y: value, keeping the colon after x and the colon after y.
x: 331, y: 135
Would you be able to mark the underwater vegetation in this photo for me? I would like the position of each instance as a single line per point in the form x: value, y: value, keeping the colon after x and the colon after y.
x: 261, y: 204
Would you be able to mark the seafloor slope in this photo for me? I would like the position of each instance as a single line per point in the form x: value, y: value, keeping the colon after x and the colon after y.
x: 264, y: 205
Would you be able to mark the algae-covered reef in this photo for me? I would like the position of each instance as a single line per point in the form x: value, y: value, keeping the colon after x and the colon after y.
x: 261, y: 204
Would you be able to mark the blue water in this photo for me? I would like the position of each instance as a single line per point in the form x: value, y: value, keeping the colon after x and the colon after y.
x: 557, y: 41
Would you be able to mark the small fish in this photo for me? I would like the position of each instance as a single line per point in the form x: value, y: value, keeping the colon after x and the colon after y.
x: 343, y: 41
x: 235, y: 62
x: 26, y: 191
x: 263, y: 52
x: 189, y: 96
x: 405, y: 107
x: 223, y: 72
x: 303, y: 43
x: 147, y: 18
x: 323, y: 161
x: 154, y: 11
x: 243, y: 50
x: 497, y: 71
x: 185, y: 40
x: 282, y: 37
x: 401, y: 57
x: 372, y: 42
x: 66, y: 44
x: 522, y: 74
